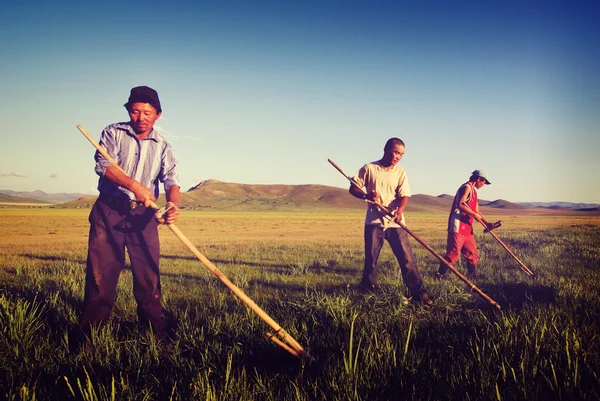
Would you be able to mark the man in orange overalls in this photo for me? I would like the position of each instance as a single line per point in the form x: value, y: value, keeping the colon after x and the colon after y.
x: 461, y: 240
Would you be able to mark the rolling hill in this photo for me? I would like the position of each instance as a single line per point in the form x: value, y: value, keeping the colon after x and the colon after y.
x: 502, y: 204
x: 564, y: 205
x: 218, y: 195
x: 42, y: 197
x: 18, y: 200
x: 213, y: 194
x: 225, y: 195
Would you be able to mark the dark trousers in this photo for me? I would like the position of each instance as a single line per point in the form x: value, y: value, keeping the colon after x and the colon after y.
x: 398, y: 240
x: 114, y: 226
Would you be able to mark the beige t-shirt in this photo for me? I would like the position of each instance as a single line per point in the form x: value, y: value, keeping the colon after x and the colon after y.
x: 391, y: 185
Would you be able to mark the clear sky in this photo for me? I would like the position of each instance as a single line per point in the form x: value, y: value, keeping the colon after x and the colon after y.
x: 261, y: 92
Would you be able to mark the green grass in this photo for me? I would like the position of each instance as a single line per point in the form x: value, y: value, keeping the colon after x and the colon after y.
x: 302, y: 269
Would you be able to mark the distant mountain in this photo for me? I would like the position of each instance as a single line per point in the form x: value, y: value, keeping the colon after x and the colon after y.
x: 213, y: 194
x: 484, y: 204
x: 226, y: 195
x: 83, y: 202
x: 503, y: 204
x: 563, y: 205
x: 9, y: 199
x: 423, y: 203
x: 42, y: 196
x: 217, y: 194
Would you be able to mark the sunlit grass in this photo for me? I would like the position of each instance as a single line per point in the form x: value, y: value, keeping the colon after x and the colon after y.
x: 302, y: 269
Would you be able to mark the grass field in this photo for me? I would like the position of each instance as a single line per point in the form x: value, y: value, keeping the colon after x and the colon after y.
x: 302, y: 269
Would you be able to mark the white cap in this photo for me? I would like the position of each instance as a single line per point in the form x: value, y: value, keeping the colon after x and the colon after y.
x: 482, y: 174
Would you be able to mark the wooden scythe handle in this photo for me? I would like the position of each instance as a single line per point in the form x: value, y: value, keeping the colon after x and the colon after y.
x: 522, y: 266
x: 289, y: 344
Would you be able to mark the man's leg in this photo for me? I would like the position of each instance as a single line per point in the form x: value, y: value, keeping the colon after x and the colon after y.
x: 144, y: 252
x: 373, y: 243
x: 105, y: 260
x: 469, y: 251
x: 398, y: 240
x: 454, y: 243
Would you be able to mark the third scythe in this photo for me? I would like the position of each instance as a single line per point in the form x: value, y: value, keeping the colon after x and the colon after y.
x: 522, y: 266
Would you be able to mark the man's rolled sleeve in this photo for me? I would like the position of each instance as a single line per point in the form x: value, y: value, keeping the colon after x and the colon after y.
x: 108, y: 142
x: 169, y: 176
x: 101, y: 165
x: 403, y: 189
x: 360, y: 176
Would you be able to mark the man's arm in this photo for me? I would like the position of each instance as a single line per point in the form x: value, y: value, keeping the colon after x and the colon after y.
x: 401, y: 206
x: 360, y: 179
x: 357, y: 193
x: 482, y: 219
x: 141, y: 192
x: 173, y: 196
x: 462, y: 204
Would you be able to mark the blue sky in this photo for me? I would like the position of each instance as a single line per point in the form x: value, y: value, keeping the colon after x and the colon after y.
x: 265, y: 92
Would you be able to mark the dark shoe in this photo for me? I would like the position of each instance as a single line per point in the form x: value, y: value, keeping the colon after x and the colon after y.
x: 440, y: 276
x: 422, y: 299
x: 166, y: 347
x: 79, y: 340
x: 426, y: 300
x: 367, y: 288
x: 443, y: 269
x: 471, y: 270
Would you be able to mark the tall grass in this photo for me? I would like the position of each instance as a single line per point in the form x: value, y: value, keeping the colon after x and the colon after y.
x: 302, y: 269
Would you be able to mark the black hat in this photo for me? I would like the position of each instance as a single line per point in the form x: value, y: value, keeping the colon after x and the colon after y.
x: 144, y: 94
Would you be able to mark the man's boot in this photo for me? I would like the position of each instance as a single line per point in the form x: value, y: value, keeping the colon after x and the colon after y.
x: 442, y: 271
x: 472, y: 270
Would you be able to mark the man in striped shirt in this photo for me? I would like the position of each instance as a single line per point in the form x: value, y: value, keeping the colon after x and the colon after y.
x: 122, y: 218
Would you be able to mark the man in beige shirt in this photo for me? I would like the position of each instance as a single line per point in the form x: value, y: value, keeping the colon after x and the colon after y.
x: 386, y: 184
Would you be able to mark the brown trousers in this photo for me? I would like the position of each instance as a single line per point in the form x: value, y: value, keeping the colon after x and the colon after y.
x: 114, y: 226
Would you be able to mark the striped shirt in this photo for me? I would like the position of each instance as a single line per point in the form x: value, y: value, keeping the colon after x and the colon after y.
x: 148, y: 161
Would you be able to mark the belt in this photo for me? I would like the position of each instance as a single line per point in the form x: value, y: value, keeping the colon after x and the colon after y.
x: 119, y: 203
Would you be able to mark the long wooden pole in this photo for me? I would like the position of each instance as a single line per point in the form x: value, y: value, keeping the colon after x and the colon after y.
x: 391, y: 215
x: 521, y: 264
x: 285, y: 341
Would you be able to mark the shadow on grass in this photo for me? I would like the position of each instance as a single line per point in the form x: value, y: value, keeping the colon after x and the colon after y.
x: 42, y: 297
x: 56, y: 322
x: 299, y: 289
x: 68, y: 259
x: 517, y: 295
x: 48, y: 258
x: 273, y: 267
